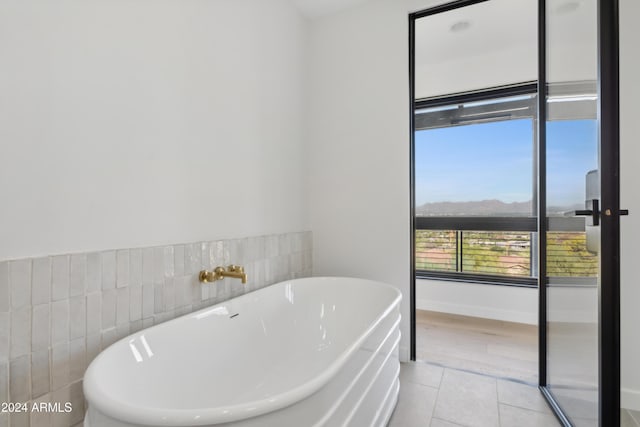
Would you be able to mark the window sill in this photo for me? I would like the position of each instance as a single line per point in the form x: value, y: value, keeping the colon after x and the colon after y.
x: 480, y: 279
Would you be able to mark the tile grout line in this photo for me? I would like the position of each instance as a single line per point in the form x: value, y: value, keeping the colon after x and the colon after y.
x: 495, y: 378
x: 633, y: 417
x: 435, y: 403
x: 498, y: 404
x: 469, y: 371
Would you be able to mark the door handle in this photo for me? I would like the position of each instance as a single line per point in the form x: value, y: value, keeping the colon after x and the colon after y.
x: 594, y: 212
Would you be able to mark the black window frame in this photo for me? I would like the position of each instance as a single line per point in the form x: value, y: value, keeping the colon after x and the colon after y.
x: 474, y: 223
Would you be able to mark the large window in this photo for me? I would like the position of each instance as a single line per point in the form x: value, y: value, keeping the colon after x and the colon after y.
x: 476, y: 188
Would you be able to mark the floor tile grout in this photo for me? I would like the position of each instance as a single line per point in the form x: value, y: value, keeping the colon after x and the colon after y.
x: 498, y: 405
x: 633, y: 417
x: 435, y: 403
x: 470, y: 371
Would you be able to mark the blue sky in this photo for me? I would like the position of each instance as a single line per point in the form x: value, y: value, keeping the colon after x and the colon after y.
x: 494, y: 161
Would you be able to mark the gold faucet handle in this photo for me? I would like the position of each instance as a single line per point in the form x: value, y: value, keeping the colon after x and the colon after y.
x: 235, y: 269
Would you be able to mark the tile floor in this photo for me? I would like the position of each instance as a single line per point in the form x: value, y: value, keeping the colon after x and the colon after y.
x: 435, y: 396
x: 474, y: 372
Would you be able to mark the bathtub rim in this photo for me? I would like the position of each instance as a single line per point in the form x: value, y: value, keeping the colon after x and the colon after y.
x: 123, y: 411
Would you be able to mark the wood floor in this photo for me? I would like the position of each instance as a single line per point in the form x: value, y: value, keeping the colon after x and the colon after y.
x: 491, y: 347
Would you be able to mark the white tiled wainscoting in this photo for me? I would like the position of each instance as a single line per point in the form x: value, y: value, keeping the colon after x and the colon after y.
x: 58, y: 312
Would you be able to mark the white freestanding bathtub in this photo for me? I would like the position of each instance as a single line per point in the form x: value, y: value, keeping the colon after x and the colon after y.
x: 305, y: 352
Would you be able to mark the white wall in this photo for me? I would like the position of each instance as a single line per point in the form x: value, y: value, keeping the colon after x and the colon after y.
x: 507, y: 303
x: 127, y: 123
x: 630, y: 199
x: 358, y: 146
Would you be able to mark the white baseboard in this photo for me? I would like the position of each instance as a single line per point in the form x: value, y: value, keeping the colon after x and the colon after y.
x: 630, y: 399
x: 478, y: 311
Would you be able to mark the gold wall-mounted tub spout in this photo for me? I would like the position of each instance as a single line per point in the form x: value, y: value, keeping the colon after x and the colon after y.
x: 219, y: 273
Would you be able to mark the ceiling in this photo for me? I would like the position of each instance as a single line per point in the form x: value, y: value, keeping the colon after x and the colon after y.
x: 318, y: 8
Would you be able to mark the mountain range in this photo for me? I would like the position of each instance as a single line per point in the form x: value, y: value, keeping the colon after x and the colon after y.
x: 491, y: 207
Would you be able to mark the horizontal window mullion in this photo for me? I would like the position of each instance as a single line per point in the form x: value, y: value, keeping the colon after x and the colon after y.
x: 477, y: 278
x: 476, y: 223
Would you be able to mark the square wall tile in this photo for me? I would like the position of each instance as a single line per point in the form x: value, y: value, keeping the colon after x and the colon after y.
x: 77, y: 275
x: 60, y: 278
x: 169, y: 294
x: 76, y: 397
x: 20, y: 379
x: 158, y: 298
x: 41, y: 418
x: 40, y: 327
x: 122, y: 306
x: 236, y: 251
x: 4, y: 382
x: 94, y: 272
x: 122, y: 268
x: 108, y: 266
x: 123, y: 330
x: 20, y: 282
x: 107, y: 338
x: 94, y: 313
x: 58, y: 312
x: 216, y: 251
x: 77, y: 360
x: 296, y: 242
x: 178, y: 260
x: 136, y: 326
x: 92, y: 347
x: 61, y: 396
x: 40, y: 373
x: 147, y: 266
x: 255, y: 248
x: 20, y: 332
x: 192, y: 258
x: 5, y: 335
x: 284, y: 244
x: 19, y: 419
x: 59, y: 366
x: 205, y: 256
x: 5, y: 295
x: 204, y: 292
x: 272, y: 245
x: 135, y: 303
x: 109, y: 301
x: 135, y: 267
x: 59, y: 322
x: 158, y: 265
x: 41, y: 281
x: 148, y: 301
x: 77, y: 317
x: 168, y: 261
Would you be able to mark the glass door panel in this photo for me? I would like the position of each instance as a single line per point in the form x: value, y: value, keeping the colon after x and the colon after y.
x: 572, y: 189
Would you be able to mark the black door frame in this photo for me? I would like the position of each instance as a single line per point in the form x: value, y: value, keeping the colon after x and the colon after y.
x: 609, y: 135
x: 609, y: 283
